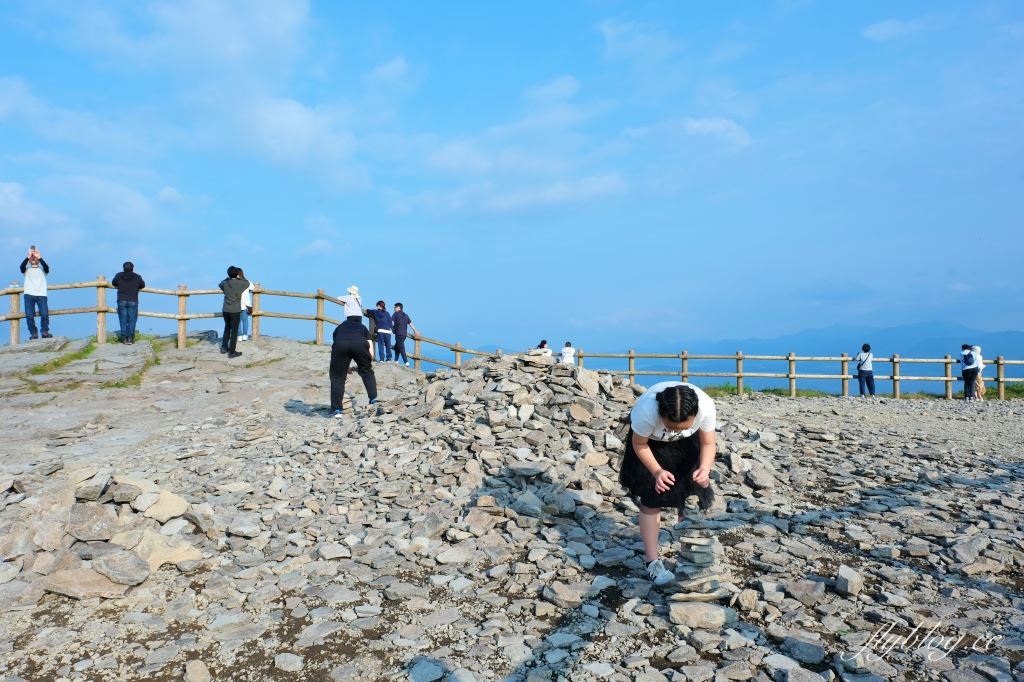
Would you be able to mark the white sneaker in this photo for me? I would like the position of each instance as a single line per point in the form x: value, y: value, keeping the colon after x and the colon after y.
x: 658, y: 573
x: 407, y: 364
x: 243, y: 337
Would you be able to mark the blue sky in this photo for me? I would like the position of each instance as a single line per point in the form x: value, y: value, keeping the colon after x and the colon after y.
x: 603, y: 172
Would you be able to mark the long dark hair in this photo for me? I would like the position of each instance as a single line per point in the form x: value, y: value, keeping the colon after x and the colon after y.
x: 677, y: 403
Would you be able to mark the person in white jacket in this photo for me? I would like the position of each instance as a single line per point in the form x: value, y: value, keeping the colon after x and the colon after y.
x: 243, y: 319
x: 979, y: 381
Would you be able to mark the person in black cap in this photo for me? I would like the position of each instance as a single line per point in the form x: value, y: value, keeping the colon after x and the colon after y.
x: 128, y: 284
x: 352, y: 342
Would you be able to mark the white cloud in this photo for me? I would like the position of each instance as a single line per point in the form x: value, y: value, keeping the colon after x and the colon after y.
x: 501, y: 198
x: 169, y: 196
x: 558, y: 90
x: 314, y: 248
x: 212, y: 35
x: 19, y: 105
x: 638, y: 42
x: 24, y: 222
x: 727, y: 129
x: 890, y: 29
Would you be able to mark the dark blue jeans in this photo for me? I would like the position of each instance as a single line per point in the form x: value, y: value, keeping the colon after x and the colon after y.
x: 400, y: 348
x: 40, y: 302
x: 383, y: 347
x: 127, y: 315
x: 865, y: 376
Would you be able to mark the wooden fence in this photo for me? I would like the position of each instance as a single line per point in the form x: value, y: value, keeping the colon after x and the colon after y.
x: 101, y: 309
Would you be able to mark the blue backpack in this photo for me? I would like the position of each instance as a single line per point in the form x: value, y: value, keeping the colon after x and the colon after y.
x: 968, y: 359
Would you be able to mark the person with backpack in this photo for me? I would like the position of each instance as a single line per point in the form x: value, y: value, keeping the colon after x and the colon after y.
x: 865, y: 373
x: 969, y: 369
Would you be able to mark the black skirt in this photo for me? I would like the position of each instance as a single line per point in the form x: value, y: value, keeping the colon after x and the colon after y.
x: 679, y: 457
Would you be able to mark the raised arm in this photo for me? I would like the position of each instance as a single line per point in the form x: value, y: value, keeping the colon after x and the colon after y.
x: 44, y: 266
x: 24, y: 266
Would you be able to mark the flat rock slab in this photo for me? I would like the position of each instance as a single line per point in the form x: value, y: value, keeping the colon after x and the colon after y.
x: 123, y: 568
x: 83, y: 583
x: 167, y: 506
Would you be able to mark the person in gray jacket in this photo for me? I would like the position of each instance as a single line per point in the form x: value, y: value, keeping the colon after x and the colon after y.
x: 232, y: 286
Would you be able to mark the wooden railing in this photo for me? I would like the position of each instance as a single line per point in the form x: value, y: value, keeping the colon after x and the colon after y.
x: 101, y: 309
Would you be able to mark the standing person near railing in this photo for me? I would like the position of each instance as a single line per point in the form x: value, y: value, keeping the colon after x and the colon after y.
x: 232, y: 286
x: 128, y: 284
x: 865, y: 373
x: 35, y: 270
x: 245, y: 312
x: 567, y: 354
x: 668, y: 457
x: 353, y: 303
x: 352, y: 342
x: 400, y: 325
x: 382, y: 317
x: 979, y: 381
x: 969, y: 369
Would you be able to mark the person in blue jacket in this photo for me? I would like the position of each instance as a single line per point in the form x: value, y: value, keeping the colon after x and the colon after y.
x: 384, y: 331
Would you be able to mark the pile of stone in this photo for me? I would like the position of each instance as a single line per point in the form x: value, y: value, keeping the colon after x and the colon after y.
x: 215, y: 521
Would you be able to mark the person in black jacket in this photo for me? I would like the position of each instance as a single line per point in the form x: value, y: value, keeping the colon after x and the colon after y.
x: 128, y: 284
x: 352, y: 341
x: 232, y: 286
x: 401, y: 323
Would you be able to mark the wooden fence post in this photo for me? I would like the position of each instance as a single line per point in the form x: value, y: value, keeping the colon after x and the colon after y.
x: 458, y: 355
x: 182, y: 322
x: 416, y: 360
x: 686, y: 366
x: 101, y: 309
x: 739, y: 372
x: 15, y: 310
x: 949, y: 378
x: 1000, y: 384
x: 632, y: 367
x: 792, y: 375
x: 579, y: 354
x: 319, y: 317
x: 896, y: 375
x: 256, y: 311
x: 846, y: 382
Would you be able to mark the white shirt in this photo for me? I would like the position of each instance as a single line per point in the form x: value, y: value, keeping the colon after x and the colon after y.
x: 35, y: 280
x: 247, y: 297
x: 353, y: 305
x: 646, y: 421
x: 567, y: 355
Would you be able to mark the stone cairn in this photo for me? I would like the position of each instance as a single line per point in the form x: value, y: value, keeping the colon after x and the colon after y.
x: 704, y: 577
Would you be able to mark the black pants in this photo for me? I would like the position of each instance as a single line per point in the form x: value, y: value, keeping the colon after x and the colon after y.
x: 866, y: 376
x: 342, y: 355
x: 969, y: 375
x: 400, y: 348
x: 230, y: 330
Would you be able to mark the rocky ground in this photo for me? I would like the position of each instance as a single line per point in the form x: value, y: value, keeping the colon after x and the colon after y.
x: 170, y: 515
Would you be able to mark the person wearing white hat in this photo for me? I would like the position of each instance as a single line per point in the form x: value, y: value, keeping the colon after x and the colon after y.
x: 353, y: 303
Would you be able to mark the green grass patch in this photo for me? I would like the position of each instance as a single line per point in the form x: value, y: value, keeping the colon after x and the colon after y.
x: 263, y: 363
x: 800, y: 392
x: 729, y: 389
x: 57, y: 363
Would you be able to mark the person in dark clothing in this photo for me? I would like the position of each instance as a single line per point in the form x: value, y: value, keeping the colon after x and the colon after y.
x: 232, y: 286
x: 382, y: 318
x: 35, y: 270
x: 969, y: 369
x: 352, y: 341
x: 128, y: 284
x: 400, y: 324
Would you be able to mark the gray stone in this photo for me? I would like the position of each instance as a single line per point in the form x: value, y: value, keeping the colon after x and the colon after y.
x: 848, y: 581
x: 123, y: 568
x: 288, y: 662
x: 245, y: 525
x: 701, y: 615
x: 803, y: 651
x: 196, y: 671
x: 92, y: 521
x: 426, y: 671
x: 562, y: 595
